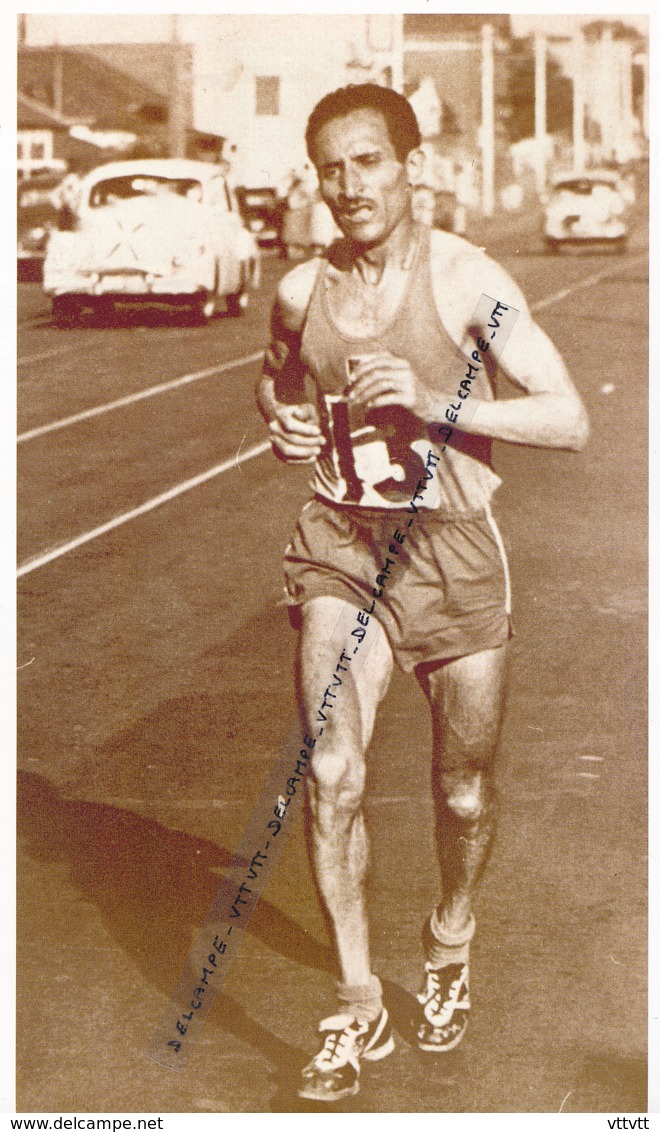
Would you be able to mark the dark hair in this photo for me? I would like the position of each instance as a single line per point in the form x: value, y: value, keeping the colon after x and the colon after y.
x: 399, y: 115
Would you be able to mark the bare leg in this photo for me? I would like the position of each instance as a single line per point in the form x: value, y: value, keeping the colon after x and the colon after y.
x: 466, y: 697
x: 340, y: 848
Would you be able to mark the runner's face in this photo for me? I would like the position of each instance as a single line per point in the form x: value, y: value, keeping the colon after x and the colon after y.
x: 361, y: 179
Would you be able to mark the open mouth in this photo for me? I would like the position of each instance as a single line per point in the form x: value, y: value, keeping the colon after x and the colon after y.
x: 357, y: 214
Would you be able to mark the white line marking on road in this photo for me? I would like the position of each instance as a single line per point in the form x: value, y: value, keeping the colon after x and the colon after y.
x: 90, y: 340
x: 561, y: 1107
x: 586, y: 774
x: 36, y: 320
x: 54, y: 353
x: 150, y: 505
x: 27, y: 664
x: 592, y: 758
x: 582, y: 284
x: 196, y: 481
x: 141, y: 395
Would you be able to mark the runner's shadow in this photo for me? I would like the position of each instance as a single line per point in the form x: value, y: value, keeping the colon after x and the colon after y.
x: 153, y: 886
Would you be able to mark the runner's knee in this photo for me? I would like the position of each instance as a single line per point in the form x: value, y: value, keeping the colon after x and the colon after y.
x: 338, y: 781
x: 468, y: 796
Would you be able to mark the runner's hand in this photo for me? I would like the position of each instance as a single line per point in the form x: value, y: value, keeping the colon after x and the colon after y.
x: 383, y: 379
x: 295, y: 434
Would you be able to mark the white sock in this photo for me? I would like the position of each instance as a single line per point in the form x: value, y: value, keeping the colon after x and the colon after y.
x: 365, y: 1002
x: 444, y: 947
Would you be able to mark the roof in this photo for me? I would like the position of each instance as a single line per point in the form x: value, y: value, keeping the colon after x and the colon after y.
x: 156, y: 167
x: 35, y: 115
x: 92, y: 90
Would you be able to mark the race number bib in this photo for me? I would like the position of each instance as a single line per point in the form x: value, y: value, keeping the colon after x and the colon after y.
x: 375, y: 463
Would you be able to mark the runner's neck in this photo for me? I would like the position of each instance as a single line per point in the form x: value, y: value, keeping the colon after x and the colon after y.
x: 398, y: 250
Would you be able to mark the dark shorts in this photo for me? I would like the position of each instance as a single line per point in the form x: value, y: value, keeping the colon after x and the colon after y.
x: 446, y: 594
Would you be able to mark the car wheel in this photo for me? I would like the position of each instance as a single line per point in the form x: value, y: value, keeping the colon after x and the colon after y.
x: 551, y: 246
x: 240, y: 300
x: 66, y: 310
x: 204, y: 307
x: 237, y: 303
x: 621, y: 245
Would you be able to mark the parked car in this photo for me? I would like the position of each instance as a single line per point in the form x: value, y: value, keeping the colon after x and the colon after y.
x: 586, y: 209
x: 153, y: 231
x: 262, y: 211
x: 37, y: 215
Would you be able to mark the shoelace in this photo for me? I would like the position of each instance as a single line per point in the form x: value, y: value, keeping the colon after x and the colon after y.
x: 332, y: 1047
x: 433, y: 990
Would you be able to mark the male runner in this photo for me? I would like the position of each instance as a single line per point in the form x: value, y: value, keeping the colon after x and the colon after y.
x: 357, y: 380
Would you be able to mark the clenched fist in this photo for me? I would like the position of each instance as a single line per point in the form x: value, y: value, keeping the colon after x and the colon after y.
x: 295, y: 434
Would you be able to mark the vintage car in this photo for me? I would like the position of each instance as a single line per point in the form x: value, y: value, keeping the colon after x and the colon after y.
x: 262, y: 211
x: 586, y: 209
x: 153, y: 231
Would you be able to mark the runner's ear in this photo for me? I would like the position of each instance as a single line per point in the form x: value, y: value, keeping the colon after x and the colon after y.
x: 415, y: 164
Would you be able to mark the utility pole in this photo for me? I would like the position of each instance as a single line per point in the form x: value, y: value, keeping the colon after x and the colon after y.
x: 578, y: 104
x: 626, y: 49
x: 178, y: 106
x: 609, y: 92
x: 643, y: 59
x: 540, y: 112
x: 397, y: 51
x: 58, y: 70
x: 487, y: 120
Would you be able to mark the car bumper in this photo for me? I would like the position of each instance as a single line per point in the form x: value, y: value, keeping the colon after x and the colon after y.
x: 581, y: 232
x: 124, y: 284
x: 584, y: 241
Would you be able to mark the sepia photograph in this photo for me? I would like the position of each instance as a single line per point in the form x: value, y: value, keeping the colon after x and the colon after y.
x: 332, y: 541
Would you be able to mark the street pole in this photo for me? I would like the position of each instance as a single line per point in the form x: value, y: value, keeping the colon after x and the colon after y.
x: 178, y: 108
x: 645, y: 97
x: 397, y: 51
x: 626, y: 50
x: 540, y: 111
x: 487, y: 120
x: 578, y: 104
x: 58, y: 70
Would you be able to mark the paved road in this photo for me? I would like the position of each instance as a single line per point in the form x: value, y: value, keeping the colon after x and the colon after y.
x: 155, y: 688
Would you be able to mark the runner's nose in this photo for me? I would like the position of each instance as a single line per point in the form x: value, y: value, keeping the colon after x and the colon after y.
x: 352, y: 182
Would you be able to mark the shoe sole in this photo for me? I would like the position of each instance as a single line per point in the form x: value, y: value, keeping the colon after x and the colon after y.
x: 373, y: 1055
x: 442, y: 1049
x: 325, y: 1098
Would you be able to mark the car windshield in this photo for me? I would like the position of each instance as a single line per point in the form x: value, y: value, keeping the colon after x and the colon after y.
x: 124, y: 188
x: 582, y: 186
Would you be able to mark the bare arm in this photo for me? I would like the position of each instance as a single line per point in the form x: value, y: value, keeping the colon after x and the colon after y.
x: 550, y: 416
x: 292, y: 420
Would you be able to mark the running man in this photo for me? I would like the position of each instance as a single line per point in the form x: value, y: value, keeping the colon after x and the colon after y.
x: 357, y: 380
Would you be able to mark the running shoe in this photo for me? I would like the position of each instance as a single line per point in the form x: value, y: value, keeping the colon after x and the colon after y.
x: 445, y: 1000
x: 335, y: 1070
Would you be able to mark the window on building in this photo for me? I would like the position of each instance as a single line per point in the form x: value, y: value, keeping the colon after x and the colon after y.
x: 267, y: 95
x: 37, y: 151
